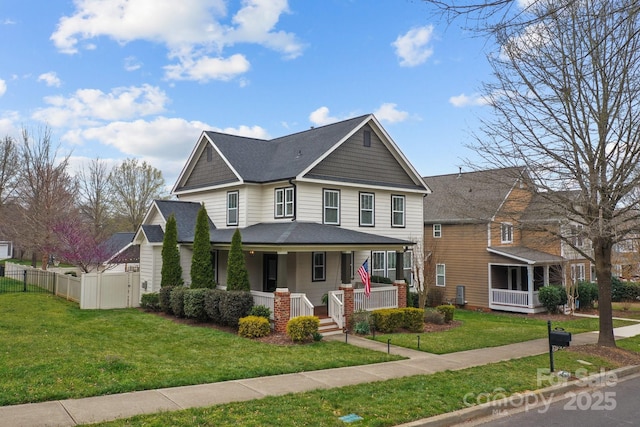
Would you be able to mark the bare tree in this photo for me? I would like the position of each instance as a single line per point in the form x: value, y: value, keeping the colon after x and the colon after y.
x: 46, y: 192
x: 134, y: 187
x: 425, y: 261
x: 565, y: 102
x: 95, y: 197
x: 9, y: 169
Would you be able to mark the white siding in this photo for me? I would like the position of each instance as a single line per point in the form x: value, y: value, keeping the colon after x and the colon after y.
x: 186, y: 254
x: 150, y: 266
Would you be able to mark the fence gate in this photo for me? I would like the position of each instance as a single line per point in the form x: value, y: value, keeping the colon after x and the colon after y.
x: 15, y: 280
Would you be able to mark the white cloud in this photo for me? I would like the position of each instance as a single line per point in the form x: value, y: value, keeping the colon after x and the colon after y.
x: 205, y: 68
x: 388, y: 113
x: 9, y: 124
x: 192, y: 31
x: 321, y: 117
x: 50, y: 79
x: 463, y: 100
x: 3, y: 87
x: 131, y: 63
x: 413, y: 47
x: 87, y: 106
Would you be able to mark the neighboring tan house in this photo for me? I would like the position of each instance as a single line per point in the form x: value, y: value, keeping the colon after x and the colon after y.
x: 481, y: 238
x: 311, y: 207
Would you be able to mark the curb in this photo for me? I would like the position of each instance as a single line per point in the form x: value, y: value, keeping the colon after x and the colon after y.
x: 488, y: 409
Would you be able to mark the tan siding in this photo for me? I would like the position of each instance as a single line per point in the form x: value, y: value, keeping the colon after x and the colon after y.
x: 353, y: 161
x: 463, y: 250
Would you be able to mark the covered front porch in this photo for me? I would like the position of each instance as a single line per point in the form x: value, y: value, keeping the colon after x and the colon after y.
x: 514, y: 282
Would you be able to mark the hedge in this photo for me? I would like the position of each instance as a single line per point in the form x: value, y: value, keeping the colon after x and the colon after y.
x: 302, y: 327
x: 194, y: 304
x: 254, y: 327
x: 235, y: 305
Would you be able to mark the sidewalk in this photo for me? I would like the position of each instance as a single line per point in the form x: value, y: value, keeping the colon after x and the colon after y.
x: 72, y: 412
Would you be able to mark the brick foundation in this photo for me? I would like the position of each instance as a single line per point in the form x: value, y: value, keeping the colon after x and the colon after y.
x: 281, y: 309
x: 402, y: 293
x: 348, y: 303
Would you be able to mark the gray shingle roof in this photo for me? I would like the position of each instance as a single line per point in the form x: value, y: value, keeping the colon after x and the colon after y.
x: 258, y: 160
x: 303, y: 233
x: 528, y: 255
x: 117, y: 248
x: 153, y: 233
x: 186, y: 214
x: 468, y: 196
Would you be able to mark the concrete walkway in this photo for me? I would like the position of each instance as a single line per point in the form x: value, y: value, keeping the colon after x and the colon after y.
x: 72, y: 412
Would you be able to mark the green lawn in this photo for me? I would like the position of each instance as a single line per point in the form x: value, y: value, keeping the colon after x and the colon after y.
x: 53, y: 350
x: 384, y: 403
x: 479, y: 330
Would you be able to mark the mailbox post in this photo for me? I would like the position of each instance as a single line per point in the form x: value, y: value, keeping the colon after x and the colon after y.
x: 557, y: 337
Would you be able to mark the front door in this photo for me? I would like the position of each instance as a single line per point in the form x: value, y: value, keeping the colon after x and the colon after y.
x: 270, y: 272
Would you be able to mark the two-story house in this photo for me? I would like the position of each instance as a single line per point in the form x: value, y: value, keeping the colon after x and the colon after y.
x: 311, y: 207
x: 484, y: 236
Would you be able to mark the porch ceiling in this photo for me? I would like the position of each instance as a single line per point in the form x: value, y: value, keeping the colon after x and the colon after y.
x: 527, y: 255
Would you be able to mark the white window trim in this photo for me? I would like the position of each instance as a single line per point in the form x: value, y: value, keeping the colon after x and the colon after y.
x: 394, y: 211
x: 287, y: 203
x: 437, y: 231
x: 325, y: 207
x: 443, y: 275
x: 372, y: 210
x: 231, y: 209
x: 508, y: 227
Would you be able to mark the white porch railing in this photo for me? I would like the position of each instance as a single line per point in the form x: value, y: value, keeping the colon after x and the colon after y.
x: 264, y: 298
x: 335, y: 307
x: 514, y: 298
x: 382, y: 297
x: 300, y: 306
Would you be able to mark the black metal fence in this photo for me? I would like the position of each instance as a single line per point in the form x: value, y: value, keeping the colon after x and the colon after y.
x: 32, y: 280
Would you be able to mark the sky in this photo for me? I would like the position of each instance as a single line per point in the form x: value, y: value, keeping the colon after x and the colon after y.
x: 142, y: 79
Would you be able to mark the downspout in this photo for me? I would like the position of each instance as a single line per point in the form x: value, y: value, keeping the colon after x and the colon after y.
x: 295, y: 198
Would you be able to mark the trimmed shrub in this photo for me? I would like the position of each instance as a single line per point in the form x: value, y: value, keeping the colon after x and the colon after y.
x: 303, y: 327
x: 237, y: 274
x: 447, y: 311
x: 177, y: 301
x: 587, y: 294
x: 234, y: 305
x: 165, y: 299
x: 435, y: 297
x: 413, y: 319
x: 433, y: 316
x: 253, y: 327
x: 194, y: 304
x: 624, y: 291
x: 413, y: 300
x: 551, y: 297
x: 360, y: 322
x: 387, y: 320
x: 150, y: 301
x: 171, y: 271
x: 261, y: 311
x: 201, y: 266
x: 212, y: 304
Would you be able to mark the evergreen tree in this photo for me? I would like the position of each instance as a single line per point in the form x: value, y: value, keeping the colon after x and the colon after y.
x: 201, y: 267
x: 237, y: 274
x: 171, y: 273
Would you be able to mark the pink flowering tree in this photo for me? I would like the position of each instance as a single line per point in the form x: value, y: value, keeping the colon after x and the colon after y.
x: 77, y: 245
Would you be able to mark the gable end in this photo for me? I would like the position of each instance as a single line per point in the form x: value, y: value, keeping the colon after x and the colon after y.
x: 210, y: 169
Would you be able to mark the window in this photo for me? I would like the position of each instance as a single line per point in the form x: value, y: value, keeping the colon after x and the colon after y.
x: 397, y: 211
x: 319, y: 266
x: 408, y: 267
x: 577, y: 273
x: 331, y: 207
x: 383, y: 264
x: 506, y: 233
x: 437, y: 230
x: 576, y: 235
x: 284, y: 202
x: 366, y: 138
x: 391, y: 265
x: 232, y: 208
x: 214, y: 263
x: 378, y: 265
x: 366, y: 210
x: 440, y: 275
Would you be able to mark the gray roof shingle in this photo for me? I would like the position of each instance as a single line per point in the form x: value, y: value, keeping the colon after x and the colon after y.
x: 186, y: 214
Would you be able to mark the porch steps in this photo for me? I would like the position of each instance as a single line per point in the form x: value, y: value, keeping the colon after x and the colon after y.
x: 328, y: 327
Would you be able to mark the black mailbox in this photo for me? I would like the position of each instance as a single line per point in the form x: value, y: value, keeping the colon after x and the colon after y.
x: 559, y: 338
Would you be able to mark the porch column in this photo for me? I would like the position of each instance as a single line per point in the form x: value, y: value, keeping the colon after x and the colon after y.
x: 348, y: 303
x: 399, y: 265
x: 345, y: 267
x: 281, y: 309
x: 281, y: 280
x: 530, y: 286
x: 402, y: 292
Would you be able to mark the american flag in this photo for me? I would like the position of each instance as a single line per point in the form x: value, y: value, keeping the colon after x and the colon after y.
x: 363, y: 271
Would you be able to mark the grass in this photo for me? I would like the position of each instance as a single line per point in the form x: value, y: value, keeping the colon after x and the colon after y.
x: 384, y: 403
x: 51, y: 349
x: 480, y: 330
